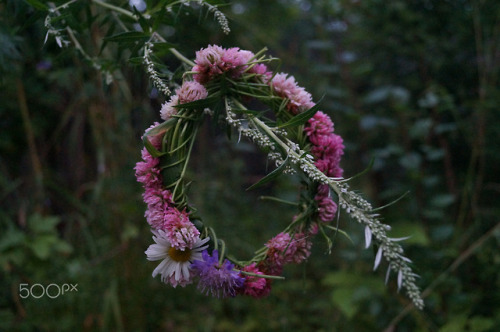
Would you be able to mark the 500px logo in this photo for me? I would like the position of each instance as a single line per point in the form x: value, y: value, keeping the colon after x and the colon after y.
x: 52, y: 290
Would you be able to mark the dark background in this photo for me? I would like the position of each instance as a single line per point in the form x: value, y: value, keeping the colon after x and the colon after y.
x: 412, y: 84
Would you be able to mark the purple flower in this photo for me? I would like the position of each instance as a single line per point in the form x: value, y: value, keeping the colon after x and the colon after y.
x: 220, y: 280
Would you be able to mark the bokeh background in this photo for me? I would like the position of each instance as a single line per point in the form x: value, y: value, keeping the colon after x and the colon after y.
x: 412, y: 84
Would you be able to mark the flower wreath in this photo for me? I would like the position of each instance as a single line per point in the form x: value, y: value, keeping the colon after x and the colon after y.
x: 297, y: 136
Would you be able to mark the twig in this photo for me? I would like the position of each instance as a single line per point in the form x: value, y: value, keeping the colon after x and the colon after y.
x: 30, y: 136
x: 456, y: 263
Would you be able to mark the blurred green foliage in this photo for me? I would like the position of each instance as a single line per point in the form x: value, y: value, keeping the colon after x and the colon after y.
x: 412, y: 84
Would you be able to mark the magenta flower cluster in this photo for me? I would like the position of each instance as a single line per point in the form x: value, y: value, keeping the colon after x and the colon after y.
x: 215, y: 60
x: 254, y: 285
x: 327, y: 149
x: 298, y: 98
x: 161, y: 213
x: 285, y: 249
x: 188, y: 92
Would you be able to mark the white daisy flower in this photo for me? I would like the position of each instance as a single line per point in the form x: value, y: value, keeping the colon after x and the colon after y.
x: 174, y: 267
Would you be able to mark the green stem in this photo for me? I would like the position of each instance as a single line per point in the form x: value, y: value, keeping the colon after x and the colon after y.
x: 266, y: 276
x: 465, y: 255
x: 222, y: 251
x: 327, y: 238
x: 181, y: 57
x: 64, y: 5
x: 337, y: 230
x: 189, y: 151
x: 279, y: 200
x: 186, y: 161
x: 115, y: 8
x: 156, y: 36
x: 31, y: 138
x: 79, y: 47
x: 214, y: 238
x: 177, y: 54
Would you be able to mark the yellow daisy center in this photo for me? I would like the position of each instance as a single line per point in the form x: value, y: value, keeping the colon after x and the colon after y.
x: 179, y: 255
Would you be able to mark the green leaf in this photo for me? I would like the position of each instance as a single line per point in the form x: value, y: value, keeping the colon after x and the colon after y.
x: 415, y: 230
x: 151, y: 149
x: 63, y: 247
x: 481, y: 323
x: 110, y: 32
x: 343, y: 299
x: 37, y: 4
x: 143, y: 22
x: 42, y: 245
x: 219, y: 109
x: 172, y: 173
x: 271, y: 176
x: 391, y: 203
x: 455, y: 323
x: 443, y: 200
x: 369, y: 167
x: 347, y: 279
x: 16, y: 255
x: 161, y: 128
x: 136, y: 60
x: 352, y: 289
x: 129, y: 231
x: 162, y: 48
x: 300, y: 118
x: 41, y: 224
x: 7, y: 317
x: 201, y: 103
x: 248, y: 112
x: 128, y: 36
x: 12, y: 238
